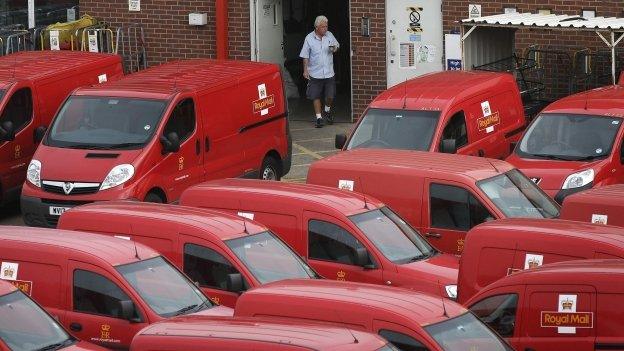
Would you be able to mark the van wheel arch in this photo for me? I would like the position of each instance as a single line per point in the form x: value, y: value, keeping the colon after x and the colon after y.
x: 156, y: 195
x: 271, y: 160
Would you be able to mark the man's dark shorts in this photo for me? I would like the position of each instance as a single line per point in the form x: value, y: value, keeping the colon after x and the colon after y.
x: 318, y: 88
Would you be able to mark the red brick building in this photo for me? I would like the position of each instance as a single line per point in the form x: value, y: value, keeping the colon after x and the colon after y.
x: 367, y: 54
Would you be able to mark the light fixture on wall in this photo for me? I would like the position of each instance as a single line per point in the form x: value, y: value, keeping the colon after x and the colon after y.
x: 588, y: 13
x: 510, y: 9
x: 544, y: 11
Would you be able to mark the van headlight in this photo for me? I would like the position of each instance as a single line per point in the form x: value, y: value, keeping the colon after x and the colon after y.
x: 579, y: 179
x: 34, y: 173
x: 117, y: 176
x: 451, y: 291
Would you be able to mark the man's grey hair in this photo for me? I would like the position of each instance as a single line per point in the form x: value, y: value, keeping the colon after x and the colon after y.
x: 319, y: 20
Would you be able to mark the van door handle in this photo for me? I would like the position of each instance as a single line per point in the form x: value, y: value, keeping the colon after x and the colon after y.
x: 197, y: 147
x: 207, y: 144
x: 433, y: 235
x: 75, y: 327
x: 529, y: 349
x: 481, y: 153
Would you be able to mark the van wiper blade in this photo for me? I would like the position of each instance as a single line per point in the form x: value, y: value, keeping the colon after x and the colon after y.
x: 552, y: 157
x: 588, y: 158
x: 123, y: 145
x: 184, y: 310
x: 87, y: 147
x: 56, y: 346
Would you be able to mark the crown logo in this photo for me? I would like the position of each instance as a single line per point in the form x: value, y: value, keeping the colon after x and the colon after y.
x: 8, y: 272
x: 534, y: 263
x: 567, y: 304
x: 341, y: 275
x: 106, y: 327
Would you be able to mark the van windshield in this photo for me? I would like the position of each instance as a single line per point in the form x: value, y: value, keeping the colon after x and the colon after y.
x: 269, y: 259
x: 466, y: 332
x: 395, y: 129
x: 25, y: 326
x: 105, y: 123
x: 164, y: 288
x: 396, y: 240
x: 518, y: 197
x: 569, y: 137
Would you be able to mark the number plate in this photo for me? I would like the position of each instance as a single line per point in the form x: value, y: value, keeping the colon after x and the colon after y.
x: 57, y: 211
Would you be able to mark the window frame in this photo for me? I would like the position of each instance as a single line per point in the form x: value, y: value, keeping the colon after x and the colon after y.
x: 469, y: 208
x: 138, y: 314
x: 517, y: 311
x: 32, y: 109
x: 172, y: 115
x: 202, y: 247
x: 370, y: 255
x: 455, y: 116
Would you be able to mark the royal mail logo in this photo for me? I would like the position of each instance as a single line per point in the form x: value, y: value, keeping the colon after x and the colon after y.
x: 341, y: 275
x: 24, y: 286
x: 488, y: 121
x: 263, y: 104
x: 567, y: 319
x: 533, y: 263
x: 8, y: 272
x: 567, y: 304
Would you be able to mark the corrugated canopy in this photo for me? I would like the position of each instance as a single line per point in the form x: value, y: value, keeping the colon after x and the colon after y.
x: 533, y: 20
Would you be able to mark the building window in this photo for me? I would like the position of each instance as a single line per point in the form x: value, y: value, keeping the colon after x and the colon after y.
x: 14, y: 12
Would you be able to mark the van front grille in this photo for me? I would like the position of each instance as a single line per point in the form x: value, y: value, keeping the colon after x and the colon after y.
x: 70, y: 188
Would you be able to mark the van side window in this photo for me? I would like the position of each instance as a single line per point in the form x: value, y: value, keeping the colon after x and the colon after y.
x: 96, y: 294
x: 402, y: 341
x: 19, y: 109
x: 207, y: 267
x: 182, y: 120
x: 329, y: 242
x: 499, y: 312
x: 456, y: 129
x: 452, y: 207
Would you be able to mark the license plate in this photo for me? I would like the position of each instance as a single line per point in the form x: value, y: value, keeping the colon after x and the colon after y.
x: 57, y: 211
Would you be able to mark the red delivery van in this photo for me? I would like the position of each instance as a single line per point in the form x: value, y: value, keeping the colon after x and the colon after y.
x: 154, y: 133
x: 467, y: 112
x: 24, y: 325
x: 103, y: 289
x: 563, y: 306
x: 496, y: 249
x: 33, y: 84
x: 252, y: 334
x: 343, y: 235
x: 442, y: 196
x: 223, y: 253
x: 576, y: 143
x: 408, y: 320
x: 602, y: 205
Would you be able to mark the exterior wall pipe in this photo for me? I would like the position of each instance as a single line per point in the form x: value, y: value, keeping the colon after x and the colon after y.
x: 222, y: 29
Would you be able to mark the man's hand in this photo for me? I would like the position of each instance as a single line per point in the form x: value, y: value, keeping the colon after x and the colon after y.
x: 306, y: 75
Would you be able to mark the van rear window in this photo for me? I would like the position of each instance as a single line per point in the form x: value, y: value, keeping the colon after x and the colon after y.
x: 395, y: 129
x: 86, y: 122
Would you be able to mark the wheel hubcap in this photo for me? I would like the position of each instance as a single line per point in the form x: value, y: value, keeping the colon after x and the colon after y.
x: 269, y: 174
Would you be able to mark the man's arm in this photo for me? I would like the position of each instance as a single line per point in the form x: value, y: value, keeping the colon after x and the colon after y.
x: 306, y: 74
x: 305, y: 55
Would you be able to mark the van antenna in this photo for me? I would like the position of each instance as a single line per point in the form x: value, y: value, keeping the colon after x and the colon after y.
x: 442, y: 298
x: 136, y: 252
x: 355, y: 340
x: 586, y: 101
x: 405, y: 94
x: 363, y: 193
x: 240, y: 206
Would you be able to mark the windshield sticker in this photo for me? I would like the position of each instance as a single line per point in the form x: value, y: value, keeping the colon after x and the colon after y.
x: 247, y: 215
x: 24, y: 286
x: 599, y: 219
x: 488, y: 122
x: 598, y: 150
x: 345, y: 184
x: 102, y: 78
x: 615, y: 122
x: 113, y: 102
x: 147, y: 127
x: 567, y: 318
x: 341, y: 276
x: 485, y: 106
x: 8, y: 271
x: 398, y: 116
x: 264, y: 102
x: 533, y: 261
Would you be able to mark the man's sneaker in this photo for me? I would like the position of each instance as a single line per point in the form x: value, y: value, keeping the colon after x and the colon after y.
x: 319, y: 123
x: 328, y: 117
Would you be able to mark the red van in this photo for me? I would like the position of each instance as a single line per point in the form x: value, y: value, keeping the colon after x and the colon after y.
x: 574, y: 305
x: 103, y: 289
x: 603, y: 205
x: 343, y: 235
x: 467, y: 112
x: 33, y: 84
x: 440, y: 195
x: 252, y: 334
x: 407, y: 319
x: 224, y: 254
x: 576, y: 143
x: 24, y: 325
x: 154, y: 133
x: 499, y: 248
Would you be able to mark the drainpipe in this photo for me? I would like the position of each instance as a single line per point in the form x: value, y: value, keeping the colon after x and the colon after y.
x: 222, y: 29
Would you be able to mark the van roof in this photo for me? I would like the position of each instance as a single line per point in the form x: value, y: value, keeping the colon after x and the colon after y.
x: 420, y: 307
x: 346, y: 202
x: 293, y: 333
x: 109, y: 249
x: 218, y: 224
x: 31, y: 65
x: 605, y: 101
x: 408, y: 162
x: 436, y: 91
x: 6, y: 288
x: 553, y: 227
x: 166, y: 80
x: 602, y: 274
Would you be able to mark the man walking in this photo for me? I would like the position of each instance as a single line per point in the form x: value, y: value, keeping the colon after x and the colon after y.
x: 318, y: 68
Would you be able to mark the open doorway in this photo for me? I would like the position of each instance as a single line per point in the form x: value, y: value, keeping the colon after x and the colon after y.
x: 298, y: 20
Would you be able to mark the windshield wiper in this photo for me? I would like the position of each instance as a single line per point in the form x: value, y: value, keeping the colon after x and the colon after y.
x: 56, y: 346
x: 206, y: 303
x: 184, y: 310
x: 123, y: 145
x: 422, y: 256
x: 87, y: 147
x: 551, y: 157
x: 588, y: 158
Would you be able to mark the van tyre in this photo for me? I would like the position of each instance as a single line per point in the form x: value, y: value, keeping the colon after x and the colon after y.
x: 270, y: 169
x: 153, y: 197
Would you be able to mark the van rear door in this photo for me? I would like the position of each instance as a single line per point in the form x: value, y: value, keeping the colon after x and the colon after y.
x: 559, y: 318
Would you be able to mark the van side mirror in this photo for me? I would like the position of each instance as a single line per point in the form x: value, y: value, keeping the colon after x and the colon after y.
x: 39, y: 134
x: 234, y: 282
x: 341, y: 140
x: 7, y: 131
x: 128, y: 311
x: 448, y: 146
x: 170, y: 143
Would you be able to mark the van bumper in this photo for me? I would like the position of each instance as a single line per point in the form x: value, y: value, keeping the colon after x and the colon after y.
x: 36, y: 212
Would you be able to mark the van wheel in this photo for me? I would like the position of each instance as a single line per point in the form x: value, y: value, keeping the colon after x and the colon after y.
x: 153, y: 197
x: 270, y: 169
